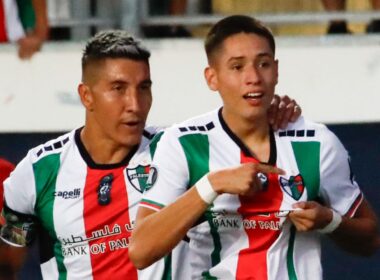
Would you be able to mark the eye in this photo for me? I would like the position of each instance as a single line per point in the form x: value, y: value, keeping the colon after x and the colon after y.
x: 265, y: 63
x: 236, y: 67
x: 117, y: 87
x: 146, y: 86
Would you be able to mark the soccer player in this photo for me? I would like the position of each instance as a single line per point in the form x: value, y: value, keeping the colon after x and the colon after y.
x: 82, y: 189
x: 228, y: 182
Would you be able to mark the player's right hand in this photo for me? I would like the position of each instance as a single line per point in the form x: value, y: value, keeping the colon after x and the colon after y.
x: 241, y: 180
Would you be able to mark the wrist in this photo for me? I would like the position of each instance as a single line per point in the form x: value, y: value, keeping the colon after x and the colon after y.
x: 205, y: 190
x: 333, y: 224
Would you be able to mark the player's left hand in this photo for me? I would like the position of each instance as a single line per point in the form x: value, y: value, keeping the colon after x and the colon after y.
x: 283, y: 110
x: 310, y: 215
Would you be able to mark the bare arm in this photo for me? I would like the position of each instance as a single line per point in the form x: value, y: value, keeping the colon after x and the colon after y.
x: 33, y: 41
x: 157, y: 233
x: 358, y: 235
x: 11, y: 260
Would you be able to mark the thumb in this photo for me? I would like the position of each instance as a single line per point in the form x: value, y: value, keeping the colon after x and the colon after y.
x: 303, y: 205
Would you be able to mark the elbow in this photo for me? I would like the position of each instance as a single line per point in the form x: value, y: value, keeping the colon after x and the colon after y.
x: 371, y: 248
x: 374, y: 248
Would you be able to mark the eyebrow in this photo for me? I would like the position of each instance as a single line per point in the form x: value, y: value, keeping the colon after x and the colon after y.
x: 264, y: 54
x: 121, y: 81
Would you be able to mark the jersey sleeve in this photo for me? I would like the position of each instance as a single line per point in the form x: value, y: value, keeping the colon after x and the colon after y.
x: 168, y: 178
x: 339, y: 189
x: 20, y: 189
x: 19, y: 200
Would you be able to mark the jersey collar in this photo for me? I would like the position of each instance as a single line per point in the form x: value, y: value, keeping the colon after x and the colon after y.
x: 243, y: 147
x: 91, y: 163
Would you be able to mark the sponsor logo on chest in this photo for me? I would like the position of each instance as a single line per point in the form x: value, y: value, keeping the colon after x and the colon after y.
x: 68, y: 194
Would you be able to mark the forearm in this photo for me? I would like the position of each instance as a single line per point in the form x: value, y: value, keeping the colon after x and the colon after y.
x: 11, y: 260
x: 157, y: 234
x: 358, y: 235
x: 42, y: 23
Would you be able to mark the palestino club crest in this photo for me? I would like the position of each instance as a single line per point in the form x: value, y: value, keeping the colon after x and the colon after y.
x: 294, y: 186
x: 138, y: 177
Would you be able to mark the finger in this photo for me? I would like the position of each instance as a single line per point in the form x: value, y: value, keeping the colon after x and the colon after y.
x: 266, y: 168
x: 280, y: 113
x: 288, y: 112
x: 297, y: 111
x: 272, y: 111
x: 299, y: 205
x: 305, y: 205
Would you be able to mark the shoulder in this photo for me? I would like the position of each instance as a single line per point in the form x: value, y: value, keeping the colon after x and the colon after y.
x: 51, y: 147
x: 306, y: 130
x: 201, y: 124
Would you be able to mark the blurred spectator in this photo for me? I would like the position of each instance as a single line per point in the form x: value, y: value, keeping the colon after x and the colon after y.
x: 24, y: 22
x: 340, y: 26
x: 174, y: 8
x: 166, y: 7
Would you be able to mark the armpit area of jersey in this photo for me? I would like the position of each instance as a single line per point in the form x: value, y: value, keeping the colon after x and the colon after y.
x: 19, y: 229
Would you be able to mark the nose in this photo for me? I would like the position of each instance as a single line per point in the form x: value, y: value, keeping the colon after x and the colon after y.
x: 132, y: 101
x: 253, y: 75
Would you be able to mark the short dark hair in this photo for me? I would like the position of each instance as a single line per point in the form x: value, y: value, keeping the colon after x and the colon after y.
x: 113, y: 44
x: 233, y: 25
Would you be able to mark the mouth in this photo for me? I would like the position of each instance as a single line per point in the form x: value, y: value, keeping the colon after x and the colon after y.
x: 253, y: 95
x: 132, y: 123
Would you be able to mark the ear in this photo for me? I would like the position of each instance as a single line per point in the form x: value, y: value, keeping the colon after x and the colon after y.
x: 86, y: 97
x: 276, y: 61
x: 211, y: 78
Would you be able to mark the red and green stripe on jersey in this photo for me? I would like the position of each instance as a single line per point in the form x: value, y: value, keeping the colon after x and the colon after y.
x: 261, y: 208
x: 107, y: 227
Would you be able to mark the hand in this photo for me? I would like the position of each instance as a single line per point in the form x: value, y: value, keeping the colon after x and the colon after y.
x: 310, y: 215
x: 241, y: 180
x: 282, y: 111
x: 28, y: 46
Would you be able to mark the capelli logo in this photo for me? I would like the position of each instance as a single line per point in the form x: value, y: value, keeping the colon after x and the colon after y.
x: 68, y: 194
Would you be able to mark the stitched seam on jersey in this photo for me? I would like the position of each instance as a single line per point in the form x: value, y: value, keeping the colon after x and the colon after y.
x: 167, y: 274
x: 45, y: 186
x: 197, y: 151
x: 153, y: 143
x: 290, y: 255
x: 307, y: 155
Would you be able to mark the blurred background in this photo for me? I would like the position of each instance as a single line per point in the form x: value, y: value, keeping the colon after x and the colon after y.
x: 329, y: 59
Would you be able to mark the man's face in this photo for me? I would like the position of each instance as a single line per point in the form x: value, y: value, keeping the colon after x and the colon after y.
x: 118, y: 98
x: 244, y: 72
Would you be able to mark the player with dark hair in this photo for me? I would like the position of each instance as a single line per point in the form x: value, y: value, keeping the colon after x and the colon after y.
x: 82, y: 189
x: 253, y: 202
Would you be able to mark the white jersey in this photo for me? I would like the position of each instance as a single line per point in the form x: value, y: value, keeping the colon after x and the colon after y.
x: 87, y: 210
x: 249, y: 237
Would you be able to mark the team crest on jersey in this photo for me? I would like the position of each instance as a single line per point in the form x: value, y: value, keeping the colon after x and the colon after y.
x: 153, y: 173
x: 294, y: 186
x: 138, y: 177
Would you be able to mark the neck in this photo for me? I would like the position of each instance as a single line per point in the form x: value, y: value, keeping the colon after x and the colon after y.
x: 102, y: 150
x: 255, y: 134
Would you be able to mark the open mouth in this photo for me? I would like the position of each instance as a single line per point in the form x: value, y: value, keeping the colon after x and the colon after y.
x: 253, y: 95
x: 132, y: 123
